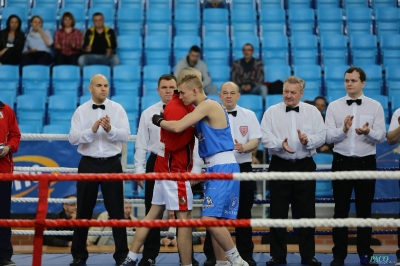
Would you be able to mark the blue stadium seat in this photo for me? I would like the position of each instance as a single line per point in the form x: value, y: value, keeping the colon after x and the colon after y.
x: 276, y: 72
x: 108, y: 15
x: 157, y: 50
x: 334, y: 77
x: 387, y: 20
x: 9, y: 79
x: 130, y: 58
x: 103, y: 4
x: 8, y: 98
x: 326, y: 3
x: 293, y: 4
x: 355, y: 3
x: 275, y: 51
x: 219, y: 74
x: 390, y: 49
x: 187, y: 15
x: 21, y: 12
x: 334, y: 49
x: 84, y: 98
x: 333, y: 95
x: 187, y: 28
x: 47, y: 3
x: 131, y: 105
x: 216, y: 50
x: 395, y: 102
x: 268, y: 29
x: 392, y: 80
x: 215, y: 15
x: 374, y: 81
x: 243, y: 4
x: 214, y: 97
x: 79, y: 15
x: 29, y: 128
x: 129, y: 43
x: 252, y: 102
x: 359, y: 21
x: 304, y: 50
x: 151, y: 74
x: 272, y: 21
x: 216, y: 57
x: 215, y: 29
x: 124, y: 88
x: 139, y: 4
x: 18, y: 3
x: 238, y: 43
x: 90, y: 71
x: 301, y: 21
x: 309, y: 94
x: 36, y: 80
x: 248, y: 15
x: 330, y: 20
x: 161, y: 4
x: 158, y: 28
x: 56, y: 129
x: 239, y: 30
x: 186, y: 4
x: 159, y: 16
x: 126, y: 79
x: 31, y: 110
x: 183, y: 43
x: 383, y: 3
x: 66, y: 80
x: 311, y: 74
x: 148, y: 101
x: 82, y: 4
x: 384, y: 101
x: 61, y: 109
x: 363, y: 49
x: 49, y: 17
x: 271, y: 4
x: 323, y: 188
x: 130, y: 21
x: 273, y: 99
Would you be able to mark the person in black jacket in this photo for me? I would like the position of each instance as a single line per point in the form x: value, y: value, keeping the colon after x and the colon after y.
x: 12, y: 41
x: 68, y: 212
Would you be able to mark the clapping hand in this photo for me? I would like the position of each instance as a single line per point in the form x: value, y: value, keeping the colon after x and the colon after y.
x: 364, y: 130
x: 286, y: 147
x: 302, y: 137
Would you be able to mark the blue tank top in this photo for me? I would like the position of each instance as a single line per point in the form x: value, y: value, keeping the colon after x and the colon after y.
x: 213, y: 140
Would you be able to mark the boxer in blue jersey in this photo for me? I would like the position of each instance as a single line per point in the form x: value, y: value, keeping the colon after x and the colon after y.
x: 221, y: 198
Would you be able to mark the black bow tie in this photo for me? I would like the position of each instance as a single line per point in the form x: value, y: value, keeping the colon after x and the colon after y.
x: 102, y: 106
x: 358, y: 101
x: 288, y: 109
x: 234, y: 113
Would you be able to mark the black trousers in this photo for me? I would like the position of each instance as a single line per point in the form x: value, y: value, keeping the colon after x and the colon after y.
x: 36, y: 58
x: 244, y: 235
x: 6, y: 249
x: 61, y: 59
x: 86, y: 200
x: 151, y: 246
x: 302, y: 193
x: 364, y: 193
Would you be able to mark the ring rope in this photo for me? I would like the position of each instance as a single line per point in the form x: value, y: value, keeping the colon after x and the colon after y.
x: 29, y: 136
x: 53, y: 169
x: 299, y: 176
x: 281, y: 223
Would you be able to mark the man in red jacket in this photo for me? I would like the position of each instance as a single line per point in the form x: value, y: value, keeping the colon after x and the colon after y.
x: 9, y: 140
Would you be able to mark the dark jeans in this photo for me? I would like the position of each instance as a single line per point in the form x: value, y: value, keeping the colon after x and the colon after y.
x: 244, y: 235
x: 113, y: 194
x: 302, y: 193
x: 6, y: 249
x: 37, y: 58
x: 364, y: 193
x: 66, y: 59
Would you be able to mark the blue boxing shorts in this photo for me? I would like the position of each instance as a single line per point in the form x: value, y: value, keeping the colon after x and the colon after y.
x: 221, y: 197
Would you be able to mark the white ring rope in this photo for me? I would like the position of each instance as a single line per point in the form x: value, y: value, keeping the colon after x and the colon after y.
x: 92, y: 233
x: 60, y: 200
x: 54, y: 137
x: 53, y: 169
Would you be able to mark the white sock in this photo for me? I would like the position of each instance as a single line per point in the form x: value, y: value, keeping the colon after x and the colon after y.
x: 132, y: 256
x: 187, y: 265
x: 222, y: 263
x: 232, y: 255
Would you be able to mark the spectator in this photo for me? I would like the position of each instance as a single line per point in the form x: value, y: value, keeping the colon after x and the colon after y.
x: 67, y: 41
x: 99, y: 44
x: 109, y: 240
x: 248, y: 73
x: 37, y: 45
x: 321, y: 104
x: 68, y: 212
x: 12, y: 42
x: 193, y: 60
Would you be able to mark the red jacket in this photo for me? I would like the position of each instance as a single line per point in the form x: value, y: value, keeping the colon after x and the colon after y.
x: 10, y: 135
x: 178, y: 153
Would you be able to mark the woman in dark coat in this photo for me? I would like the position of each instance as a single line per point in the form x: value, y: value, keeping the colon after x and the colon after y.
x: 12, y: 41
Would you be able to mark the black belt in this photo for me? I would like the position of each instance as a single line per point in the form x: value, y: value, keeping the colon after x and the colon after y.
x: 102, y: 158
x: 353, y: 158
x: 291, y: 160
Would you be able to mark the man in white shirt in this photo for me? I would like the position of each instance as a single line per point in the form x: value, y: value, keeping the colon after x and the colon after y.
x: 99, y: 127
x: 355, y: 124
x: 292, y: 131
x: 246, y: 133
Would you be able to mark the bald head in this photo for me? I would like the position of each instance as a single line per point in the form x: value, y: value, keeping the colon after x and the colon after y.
x: 187, y: 71
x: 229, y: 95
x: 230, y: 85
x: 96, y: 77
x: 99, y: 88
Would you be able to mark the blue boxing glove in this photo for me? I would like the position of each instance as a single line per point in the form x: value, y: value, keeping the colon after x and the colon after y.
x: 157, y: 119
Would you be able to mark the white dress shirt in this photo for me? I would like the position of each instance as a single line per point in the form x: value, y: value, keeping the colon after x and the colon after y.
x: 99, y: 144
x: 148, y: 140
x: 277, y: 124
x: 350, y: 143
x: 244, y: 127
x: 394, y: 124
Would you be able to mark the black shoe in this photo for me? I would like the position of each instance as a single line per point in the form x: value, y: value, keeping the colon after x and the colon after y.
x: 251, y: 262
x: 337, y: 262
x: 210, y: 262
x: 311, y: 262
x: 7, y: 262
x: 195, y: 262
x: 147, y: 262
x: 366, y: 260
x: 275, y: 261
x: 77, y: 262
